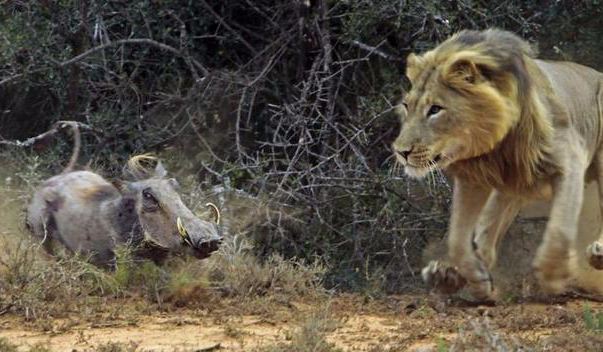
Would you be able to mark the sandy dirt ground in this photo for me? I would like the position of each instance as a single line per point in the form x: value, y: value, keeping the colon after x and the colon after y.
x: 396, y: 323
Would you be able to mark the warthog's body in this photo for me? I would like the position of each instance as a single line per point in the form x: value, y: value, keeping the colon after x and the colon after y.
x: 91, y: 216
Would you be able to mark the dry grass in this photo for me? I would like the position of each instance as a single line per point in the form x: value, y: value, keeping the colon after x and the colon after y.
x: 238, y: 273
x: 310, y: 336
x: 31, y: 284
x: 116, y: 347
x: 6, y: 346
x: 37, y: 288
x: 481, y: 335
x: 234, y: 273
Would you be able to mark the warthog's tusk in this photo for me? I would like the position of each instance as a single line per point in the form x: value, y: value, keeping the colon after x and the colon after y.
x: 216, y: 210
x: 181, y: 229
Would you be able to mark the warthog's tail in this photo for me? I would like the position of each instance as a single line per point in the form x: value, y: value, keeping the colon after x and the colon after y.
x: 77, y: 144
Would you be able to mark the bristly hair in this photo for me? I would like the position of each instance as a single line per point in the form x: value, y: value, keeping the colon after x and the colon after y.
x: 140, y: 166
x: 520, y: 145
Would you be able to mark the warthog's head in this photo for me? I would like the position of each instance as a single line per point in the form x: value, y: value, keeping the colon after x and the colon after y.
x: 166, y: 222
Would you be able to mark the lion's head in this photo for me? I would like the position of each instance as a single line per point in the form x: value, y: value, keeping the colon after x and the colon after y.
x: 466, y: 96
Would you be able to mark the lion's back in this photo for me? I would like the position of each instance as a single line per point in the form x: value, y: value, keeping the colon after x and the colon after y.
x: 578, y: 89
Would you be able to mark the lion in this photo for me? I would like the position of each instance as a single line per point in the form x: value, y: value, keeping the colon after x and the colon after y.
x: 509, y: 129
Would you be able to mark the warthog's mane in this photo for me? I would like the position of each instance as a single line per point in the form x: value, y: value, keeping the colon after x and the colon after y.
x: 140, y: 166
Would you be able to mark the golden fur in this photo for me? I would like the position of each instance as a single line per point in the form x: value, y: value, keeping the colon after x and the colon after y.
x: 509, y: 128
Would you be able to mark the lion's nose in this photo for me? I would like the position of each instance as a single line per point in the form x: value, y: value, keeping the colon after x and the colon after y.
x: 404, y: 153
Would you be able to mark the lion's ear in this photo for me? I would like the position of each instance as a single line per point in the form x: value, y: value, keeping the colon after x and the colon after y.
x: 464, y: 70
x: 413, y: 63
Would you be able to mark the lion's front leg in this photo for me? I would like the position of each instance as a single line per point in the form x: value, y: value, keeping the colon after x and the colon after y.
x: 496, y: 218
x: 464, y: 267
x: 552, y: 257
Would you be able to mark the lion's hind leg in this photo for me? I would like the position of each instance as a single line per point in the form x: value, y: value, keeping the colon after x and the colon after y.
x: 552, y: 262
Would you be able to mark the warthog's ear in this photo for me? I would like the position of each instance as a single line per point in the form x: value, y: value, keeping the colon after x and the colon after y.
x: 160, y: 170
x: 174, y: 183
x: 125, y: 187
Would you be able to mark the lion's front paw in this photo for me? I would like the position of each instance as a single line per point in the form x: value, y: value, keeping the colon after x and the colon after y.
x: 445, y: 278
x: 448, y: 279
x: 594, y: 255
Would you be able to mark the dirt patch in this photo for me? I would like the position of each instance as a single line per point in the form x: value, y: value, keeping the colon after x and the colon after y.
x: 157, y: 333
x: 399, y: 323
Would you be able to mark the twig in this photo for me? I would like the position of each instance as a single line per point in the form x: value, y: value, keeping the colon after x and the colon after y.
x: 375, y: 50
x: 87, y: 53
x: 184, y: 47
x: 215, y: 347
x: 229, y: 28
x: 6, y: 308
x: 57, y: 127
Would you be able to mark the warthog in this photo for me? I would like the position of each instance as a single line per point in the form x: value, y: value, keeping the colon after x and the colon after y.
x: 91, y: 216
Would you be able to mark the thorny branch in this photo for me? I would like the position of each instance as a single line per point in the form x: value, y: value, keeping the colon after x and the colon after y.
x: 316, y: 151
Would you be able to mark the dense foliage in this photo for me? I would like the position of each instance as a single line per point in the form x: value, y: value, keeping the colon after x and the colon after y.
x: 287, y: 102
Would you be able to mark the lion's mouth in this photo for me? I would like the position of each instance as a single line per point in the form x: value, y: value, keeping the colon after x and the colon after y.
x: 430, y: 163
x: 422, y: 169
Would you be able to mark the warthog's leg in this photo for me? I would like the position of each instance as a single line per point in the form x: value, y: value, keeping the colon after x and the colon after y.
x: 497, y: 216
x: 553, y: 254
x: 43, y: 228
x: 465, y: 267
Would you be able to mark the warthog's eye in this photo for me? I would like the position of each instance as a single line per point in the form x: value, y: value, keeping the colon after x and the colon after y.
x: 149, y: 202
x: 434, y: 109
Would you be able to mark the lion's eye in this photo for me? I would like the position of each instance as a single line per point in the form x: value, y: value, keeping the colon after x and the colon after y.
x: 434, y: 109
x: 405, y: 105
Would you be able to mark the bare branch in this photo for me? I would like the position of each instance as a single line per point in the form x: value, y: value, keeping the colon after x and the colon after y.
x: 375, y: 50
x: 56, y: 128
x: 89, y: 52
x: 228, y: 27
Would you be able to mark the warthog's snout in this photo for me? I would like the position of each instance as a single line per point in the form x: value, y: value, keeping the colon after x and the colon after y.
x: 205, y: 249
x: 201, y: 236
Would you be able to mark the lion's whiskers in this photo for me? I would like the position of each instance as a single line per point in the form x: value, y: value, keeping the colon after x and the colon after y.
x: 431, y: 167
